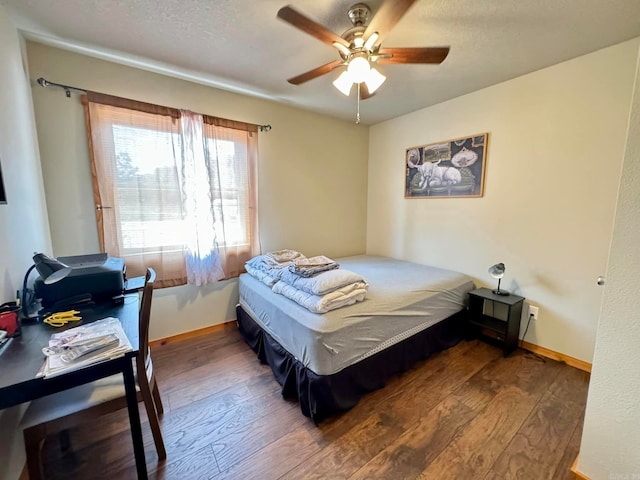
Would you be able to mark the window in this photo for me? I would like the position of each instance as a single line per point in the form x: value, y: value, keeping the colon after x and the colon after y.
x: 234, y: 178
x: 173, y: 190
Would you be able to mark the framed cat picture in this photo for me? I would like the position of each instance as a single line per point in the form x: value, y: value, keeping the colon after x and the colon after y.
x: 447, y: 169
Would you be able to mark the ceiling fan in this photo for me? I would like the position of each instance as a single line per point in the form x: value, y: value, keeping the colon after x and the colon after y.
x: 360, y: 46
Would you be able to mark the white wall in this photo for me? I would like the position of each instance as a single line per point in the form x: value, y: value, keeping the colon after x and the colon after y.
x: 556, y: 144
x: 611, y: 436
x: 23, y: 220
x: 312, y: 173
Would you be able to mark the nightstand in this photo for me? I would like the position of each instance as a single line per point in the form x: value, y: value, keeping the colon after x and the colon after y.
x: 496, y: 316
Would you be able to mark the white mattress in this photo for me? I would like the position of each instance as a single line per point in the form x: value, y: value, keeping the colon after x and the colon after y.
x: 403, y: 299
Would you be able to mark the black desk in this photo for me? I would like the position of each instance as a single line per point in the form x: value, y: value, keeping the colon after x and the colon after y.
x: 21, y: 359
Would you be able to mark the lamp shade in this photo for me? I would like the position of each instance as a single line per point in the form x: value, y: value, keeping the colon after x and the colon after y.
x: 343, y: 83
x: 371, y: 41
x: 51, y: 270
x: 358, y: 69
x: 497, y: 271
x: 374, y: 80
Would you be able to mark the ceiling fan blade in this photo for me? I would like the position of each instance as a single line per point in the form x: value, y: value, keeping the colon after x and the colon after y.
x: 391, y: 11
x: 364, y: 92
x: 301, y: 22
x: 316, y: 72
x: 413, y: 55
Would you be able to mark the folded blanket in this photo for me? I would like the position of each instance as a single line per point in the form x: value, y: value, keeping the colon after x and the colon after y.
x: 322, y: 283
x: 274, y: 262
x: 347, y: 295
x: 309, y: 267
x: 285, y: 256
x: 264, y: 277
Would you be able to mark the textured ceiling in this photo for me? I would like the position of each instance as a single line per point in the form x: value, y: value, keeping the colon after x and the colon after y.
x: 240, y: 45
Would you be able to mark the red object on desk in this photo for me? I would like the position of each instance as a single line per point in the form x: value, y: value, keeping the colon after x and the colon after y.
x: 9, y: 322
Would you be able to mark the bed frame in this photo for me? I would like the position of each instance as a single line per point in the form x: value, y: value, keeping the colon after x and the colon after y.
x: 321, y: 396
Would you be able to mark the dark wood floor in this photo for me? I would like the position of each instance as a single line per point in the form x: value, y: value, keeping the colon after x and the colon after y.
x: 466, y: 413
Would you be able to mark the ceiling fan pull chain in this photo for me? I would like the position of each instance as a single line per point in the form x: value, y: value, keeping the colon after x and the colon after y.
x: 358, y: 114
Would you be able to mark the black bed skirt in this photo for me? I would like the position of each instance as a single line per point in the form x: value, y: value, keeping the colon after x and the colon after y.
x: 321, y: 396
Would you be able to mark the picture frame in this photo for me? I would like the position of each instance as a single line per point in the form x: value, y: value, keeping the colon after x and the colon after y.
x: 3, y: 193
x: 449, y: 169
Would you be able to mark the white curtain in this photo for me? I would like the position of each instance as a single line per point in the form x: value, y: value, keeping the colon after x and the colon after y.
x: 174, y: 190
x: 231, y: 156
x: 203, y: 258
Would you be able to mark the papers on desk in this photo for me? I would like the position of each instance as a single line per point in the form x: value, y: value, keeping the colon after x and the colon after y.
x: 58, y: 359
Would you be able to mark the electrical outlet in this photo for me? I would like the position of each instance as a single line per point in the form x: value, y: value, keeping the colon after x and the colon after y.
x: 533, y: 310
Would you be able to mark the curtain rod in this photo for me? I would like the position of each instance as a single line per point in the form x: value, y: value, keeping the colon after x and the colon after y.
x: 67, y: 90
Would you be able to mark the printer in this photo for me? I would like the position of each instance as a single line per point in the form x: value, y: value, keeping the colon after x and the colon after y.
x: 94, y: 277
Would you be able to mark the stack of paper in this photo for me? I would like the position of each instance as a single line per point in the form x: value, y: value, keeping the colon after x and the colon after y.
x: 57, y: 361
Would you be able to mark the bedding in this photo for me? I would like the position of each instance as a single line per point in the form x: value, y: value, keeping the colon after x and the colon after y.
x: 314, y: 283
x: 328, y: 361
x: 321, y: 396
x: 273, y: 264
x: 322, y: 283
x: 340, y: 297
x: 309, y: 267
x: 260, y: 275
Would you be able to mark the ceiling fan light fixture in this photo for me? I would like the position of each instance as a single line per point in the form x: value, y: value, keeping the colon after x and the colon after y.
x: 358, y: 68
x: 371, y: 41
x: 360, y: 47
x: 374, y: 80
x: 344, y: 83
x: 342, y: 49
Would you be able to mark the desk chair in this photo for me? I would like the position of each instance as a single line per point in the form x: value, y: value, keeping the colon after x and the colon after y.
x: 59, y: 412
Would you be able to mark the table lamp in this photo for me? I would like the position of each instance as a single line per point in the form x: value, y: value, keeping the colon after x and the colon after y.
x: 497, y: 271
x: 51, y: 271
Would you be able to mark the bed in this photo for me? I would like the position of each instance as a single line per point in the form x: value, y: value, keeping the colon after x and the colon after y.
x: 329, y: 361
